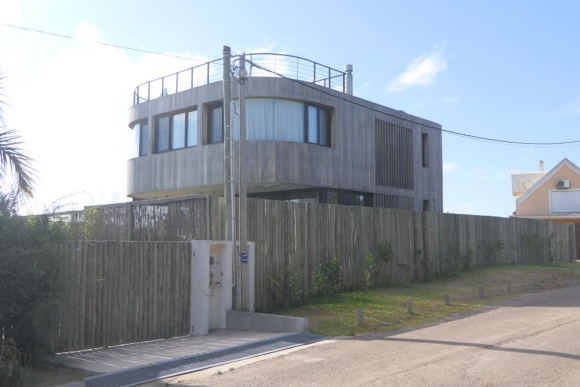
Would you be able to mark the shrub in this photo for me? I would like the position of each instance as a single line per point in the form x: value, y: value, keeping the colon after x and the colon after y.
x: 367, y: 281
x: 32, y: 285
x: 284, y: 287
x: 328, y: 277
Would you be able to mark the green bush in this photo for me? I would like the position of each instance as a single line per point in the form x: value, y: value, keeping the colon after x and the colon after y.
x: 328, y: 278
x: 284, y: 287
x: 32, y: 286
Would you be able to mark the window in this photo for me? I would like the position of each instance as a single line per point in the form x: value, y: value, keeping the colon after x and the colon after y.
x: 215, y: 123
x: 565, y: 201
x: 317, y: 121
x: 176, y: 131
x: 275, y: 119
x: 141, y: 132
x: 426, y: 205
x: 425, y: 149
x: 320, y: 195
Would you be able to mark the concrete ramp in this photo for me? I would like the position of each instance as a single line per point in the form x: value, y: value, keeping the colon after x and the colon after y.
x: 200, y: 361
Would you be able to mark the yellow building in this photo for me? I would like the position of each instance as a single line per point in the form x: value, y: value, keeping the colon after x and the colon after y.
x: 552, y: 195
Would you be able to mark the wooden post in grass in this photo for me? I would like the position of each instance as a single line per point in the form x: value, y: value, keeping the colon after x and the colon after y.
x: 481, y: 292
x: 446, y: 297
x: 409, y: 306
x: 359, y: 317
x: 509, y: 286
x: 571, y: 271
x: 553, y: 275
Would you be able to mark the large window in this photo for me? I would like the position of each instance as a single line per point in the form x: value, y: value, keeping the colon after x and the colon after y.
x: 176, y: 131
x: 141, y: 133
x: 215, y: 123
x: 320, y: 195
x: 270, y: 119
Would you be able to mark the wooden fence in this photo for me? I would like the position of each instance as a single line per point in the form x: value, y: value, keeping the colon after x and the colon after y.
x: 122, y: 292
x: 301, y: 236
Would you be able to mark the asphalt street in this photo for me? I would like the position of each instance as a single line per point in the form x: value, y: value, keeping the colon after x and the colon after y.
x: 533, y: 340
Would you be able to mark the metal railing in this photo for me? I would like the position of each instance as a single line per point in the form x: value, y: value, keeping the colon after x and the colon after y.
x: 260, y: 65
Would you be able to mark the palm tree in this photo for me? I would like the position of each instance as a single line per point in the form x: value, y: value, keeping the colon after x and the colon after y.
x: 11, y: 157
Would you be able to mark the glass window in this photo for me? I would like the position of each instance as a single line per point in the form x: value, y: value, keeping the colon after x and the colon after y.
x: 318, y: 125
x: 137, y: 140
x: 215, y: 123
x: 192, y: 128
x: 174, y: 131
x: 313, y: 124
x: 425, y: 148
x: 323, y: 127
x: 144, y: 139
x: 331, y: 196
x: 178, y: 135
x: 163, y: 134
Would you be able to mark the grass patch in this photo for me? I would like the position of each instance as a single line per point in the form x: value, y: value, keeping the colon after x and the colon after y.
x: 386, y: 308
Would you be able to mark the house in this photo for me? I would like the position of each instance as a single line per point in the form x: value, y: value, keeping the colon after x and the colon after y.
x: 309, y: 138
x: 552, y: 195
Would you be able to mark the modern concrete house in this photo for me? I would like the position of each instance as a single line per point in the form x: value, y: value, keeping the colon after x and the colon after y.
x: 309, y: 138
x: 552, y: 195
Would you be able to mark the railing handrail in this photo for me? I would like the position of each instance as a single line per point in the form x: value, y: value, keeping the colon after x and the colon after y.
x: 327, y: 74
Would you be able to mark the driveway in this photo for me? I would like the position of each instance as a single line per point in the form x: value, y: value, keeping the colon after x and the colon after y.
x: 533, y: 340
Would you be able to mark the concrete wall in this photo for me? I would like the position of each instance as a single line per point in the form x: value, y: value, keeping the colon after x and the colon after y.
x: 261, y: 322
x: 348, y: 164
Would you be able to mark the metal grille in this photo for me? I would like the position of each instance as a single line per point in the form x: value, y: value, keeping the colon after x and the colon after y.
x: 162, y: 370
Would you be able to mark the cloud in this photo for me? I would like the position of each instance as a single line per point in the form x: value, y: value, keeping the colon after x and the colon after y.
x: 78, y: 131
x: 420, y: 72
x: 450, y: 167
x: 10, y: 12
x: 572, y: 108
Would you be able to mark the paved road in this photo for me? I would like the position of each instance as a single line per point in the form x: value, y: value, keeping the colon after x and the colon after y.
x: 531, y: 341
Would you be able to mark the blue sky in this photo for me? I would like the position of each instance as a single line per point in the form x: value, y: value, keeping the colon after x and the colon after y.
x: 506, y: 70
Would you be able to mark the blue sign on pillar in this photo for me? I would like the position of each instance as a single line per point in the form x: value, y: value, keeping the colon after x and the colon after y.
x: 244, y: 257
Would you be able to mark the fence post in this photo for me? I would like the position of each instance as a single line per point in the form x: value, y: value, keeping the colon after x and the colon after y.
x: 409, y: 306
x: 359, y: 317
x: 446, y: 297
x: 509, y: 288
x: 481, y: 292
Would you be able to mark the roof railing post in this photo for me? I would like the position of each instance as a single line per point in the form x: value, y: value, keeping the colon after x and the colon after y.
x: 176, y: 82
x: 148, y: 90
x: 192, y: 77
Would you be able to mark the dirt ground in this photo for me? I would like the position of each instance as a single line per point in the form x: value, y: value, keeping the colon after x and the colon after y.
x: 533, y: 340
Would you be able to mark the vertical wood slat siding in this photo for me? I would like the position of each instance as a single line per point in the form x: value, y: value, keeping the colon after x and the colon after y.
x: 301, y: 236
x: 394, y: 155
x: 112, y: 288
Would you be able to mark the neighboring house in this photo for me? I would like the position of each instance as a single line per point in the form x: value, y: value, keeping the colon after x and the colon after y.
x: 309, y: 139
x: 552, y: 195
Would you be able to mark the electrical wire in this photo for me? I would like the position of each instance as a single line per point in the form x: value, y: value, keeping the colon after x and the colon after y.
x: 464, y: 135
x: 104, y: 44
x: 235, y: 71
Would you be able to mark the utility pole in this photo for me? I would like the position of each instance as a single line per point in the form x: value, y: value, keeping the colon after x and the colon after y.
x: 228, y: 173
x: 243, y: 192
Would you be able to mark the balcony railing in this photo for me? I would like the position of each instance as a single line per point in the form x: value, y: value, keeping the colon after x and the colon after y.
x: 259, y: 64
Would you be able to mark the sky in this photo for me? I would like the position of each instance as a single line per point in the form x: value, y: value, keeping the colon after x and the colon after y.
x: 495, y: 69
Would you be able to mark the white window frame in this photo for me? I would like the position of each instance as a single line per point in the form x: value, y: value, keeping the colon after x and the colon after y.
x: 560, y: 191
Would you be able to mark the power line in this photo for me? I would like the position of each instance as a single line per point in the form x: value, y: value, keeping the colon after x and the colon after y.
x: 464, y: 135
x: 104, y: 44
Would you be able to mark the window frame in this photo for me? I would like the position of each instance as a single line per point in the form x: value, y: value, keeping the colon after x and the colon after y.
x: 209, y: 108
x: 171, y: 116
x: 143, y: 150
x: 319, y: 130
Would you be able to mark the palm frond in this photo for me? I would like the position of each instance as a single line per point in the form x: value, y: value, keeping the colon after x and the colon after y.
x: 20, y: 164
